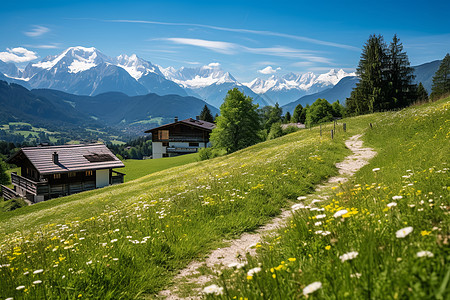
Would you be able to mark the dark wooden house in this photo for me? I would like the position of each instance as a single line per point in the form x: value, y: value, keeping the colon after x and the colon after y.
x: 180, y: 137
x: 54, y: 171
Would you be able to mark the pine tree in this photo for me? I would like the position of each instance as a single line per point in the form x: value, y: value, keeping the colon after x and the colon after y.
x: 206, y: 115
x: 287, y: 117
x: 370, y: 92
x: 422, y: 94
x: 441, y: 80
x: 401, y: 92
x: 238, y: 125
x: 297, y: 113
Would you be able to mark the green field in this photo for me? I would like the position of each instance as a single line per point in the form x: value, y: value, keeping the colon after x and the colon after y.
x: 128, y: 241
x: 135, y: 168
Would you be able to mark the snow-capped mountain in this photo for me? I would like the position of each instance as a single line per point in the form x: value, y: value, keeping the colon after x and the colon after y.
x: 87, y: 71
x: 292, y: 86
x: 209, y: 82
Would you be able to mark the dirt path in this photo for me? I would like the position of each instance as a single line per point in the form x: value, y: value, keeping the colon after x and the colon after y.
x: 222, y: 257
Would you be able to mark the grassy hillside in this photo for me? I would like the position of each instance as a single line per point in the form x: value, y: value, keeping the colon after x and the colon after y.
x: 135, y: 168
x: 127, y: 241
x: 383, y: 235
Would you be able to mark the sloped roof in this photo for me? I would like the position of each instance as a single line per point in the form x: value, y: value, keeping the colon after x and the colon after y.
x: 71, y: 158
x: 208, y: 126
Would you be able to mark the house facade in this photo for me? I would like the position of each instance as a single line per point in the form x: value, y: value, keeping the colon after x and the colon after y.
x: 55, y: 171
x: 180, y: 137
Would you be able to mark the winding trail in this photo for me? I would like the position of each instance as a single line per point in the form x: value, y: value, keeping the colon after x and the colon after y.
x: 222, y: 257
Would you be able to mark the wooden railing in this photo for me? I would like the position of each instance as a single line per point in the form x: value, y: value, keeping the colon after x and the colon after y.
x: 24, y: 183
x: 9, y: 193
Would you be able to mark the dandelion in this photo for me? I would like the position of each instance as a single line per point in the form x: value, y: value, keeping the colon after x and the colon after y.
x: 38, y: 271
x: 253, y: 271
x: 20, y: 287
x: 311, y: 288
x: 424, y: 232
x: 348, y: 256
x: 292, y: 259
x: 392, y: 204
x: 375, y: 169
x: 424, y: 254
x: 397, y: 197
x: 37, y: 281
x: 321, y: 216
x: 403, y: 232
x: 213, y: 289
x: 327, y: 247
x: 340, y: 213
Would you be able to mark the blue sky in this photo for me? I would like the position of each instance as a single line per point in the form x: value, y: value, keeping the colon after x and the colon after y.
x: 245, y: 37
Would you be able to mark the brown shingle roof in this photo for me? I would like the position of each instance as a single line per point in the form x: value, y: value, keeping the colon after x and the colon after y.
x: 71, y: 158
x: 190, y: 122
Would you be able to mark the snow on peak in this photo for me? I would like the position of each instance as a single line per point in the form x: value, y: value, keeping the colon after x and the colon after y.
x: 333, y: 76
x: 135, y: 66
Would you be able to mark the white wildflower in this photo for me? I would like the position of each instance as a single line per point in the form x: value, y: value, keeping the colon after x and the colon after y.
x: 321, y: 216
x: 311, y: 288
x: 89, y: 262
x: 356, y: 275
x: 114, y: 240
x: 37, y: 281
x: 397, y: 197
x: 298, y: 206
x: 213, y: 289
x: 340, y: 213
x: 348, y: 256
x: 392, y: 204
x: 403, y: 232
x: 20, y: 287
x: 236, y: 265
x: 375, y: 169
x: 424, y: 254
x: 38, y: 271
x: 253, y: 271
x: 301, y: 198
x: 318, y: 223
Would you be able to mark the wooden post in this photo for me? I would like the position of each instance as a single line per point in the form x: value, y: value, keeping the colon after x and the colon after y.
x: 370, y: 124
x: 332, y: 134
x: 334, y: 126
x: 320, y: 129
x: 344, y: 127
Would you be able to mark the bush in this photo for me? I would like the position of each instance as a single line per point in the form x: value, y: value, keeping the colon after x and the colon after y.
x: 208, y: 153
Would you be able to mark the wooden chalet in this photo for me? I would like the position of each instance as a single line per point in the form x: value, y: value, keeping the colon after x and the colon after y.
x: 180, y: 137
x: 54, y: 171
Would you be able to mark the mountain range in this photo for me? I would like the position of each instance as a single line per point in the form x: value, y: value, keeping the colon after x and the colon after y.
x: 87, y: 71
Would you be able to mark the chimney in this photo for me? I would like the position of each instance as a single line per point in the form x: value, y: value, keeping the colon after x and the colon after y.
x: 197, y: 118
x: 55, y: 158
x: 176, y: 119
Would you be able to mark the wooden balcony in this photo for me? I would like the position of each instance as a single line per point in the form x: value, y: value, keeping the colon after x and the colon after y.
x: 9, y: 193
x: 181, y: 149
x: 28, y: 185
x: 183, y: 138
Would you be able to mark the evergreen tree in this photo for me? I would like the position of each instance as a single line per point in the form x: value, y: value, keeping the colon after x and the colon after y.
x: 4, y: 178
x: 337, y: 109
x: 320, y: 111
x: 441, y: 80
x: 302, y: 118
x: 272, y: 115
x: 238, y: 125
x: 287, y: 117
x: 401, y: 91
x: 206, y: 115
x: 369, y: 94
x: 422, y: 94
x: 297, y: 113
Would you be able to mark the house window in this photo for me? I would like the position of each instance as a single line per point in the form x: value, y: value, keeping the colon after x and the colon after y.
x: 56, y: 176
x: 89, y: 173
x: 165, y: 144
x: 72, y: 174
x: 193, y: 144
x: 163, y: 134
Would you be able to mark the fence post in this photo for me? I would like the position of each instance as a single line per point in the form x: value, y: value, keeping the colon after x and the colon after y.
x: 345, y: 127
x: 320, y: 129
x: 334, y: 128
x: 370, y: 124
x: 332, y: 134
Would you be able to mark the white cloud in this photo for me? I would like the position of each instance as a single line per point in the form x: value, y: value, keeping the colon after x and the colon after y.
x: 51, y: 46
x: 269, y: 70
x: 217, y: 46
x: 37, y: 31
x: 214, y: 64
x: 17, y: 55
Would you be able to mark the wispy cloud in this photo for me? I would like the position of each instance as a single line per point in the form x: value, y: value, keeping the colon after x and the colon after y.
x: 17, y: 55
x: 221, y: 47
x: 233, y: 48
x: 37, y: 31
x: 241, y: 30
x: 269, y: 70
x: 50, y: 46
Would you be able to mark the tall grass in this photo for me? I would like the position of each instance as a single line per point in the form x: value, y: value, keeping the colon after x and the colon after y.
x: 128, y: 240
x: 383, y: 235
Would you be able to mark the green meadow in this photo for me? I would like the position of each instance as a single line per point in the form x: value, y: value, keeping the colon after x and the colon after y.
x: 128, y: 241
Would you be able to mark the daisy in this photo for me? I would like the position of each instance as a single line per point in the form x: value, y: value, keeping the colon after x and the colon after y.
x: 348, y: 256
x: 311, y: 288
x: 403, y: 232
